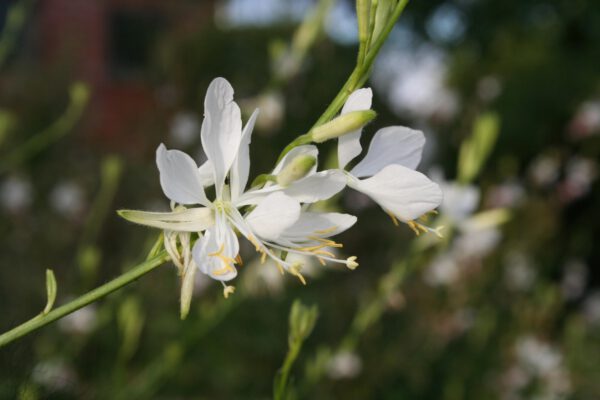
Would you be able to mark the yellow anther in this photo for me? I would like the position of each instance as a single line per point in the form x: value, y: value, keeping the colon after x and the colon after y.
x: 326, y: 231
x: 326, y: 242
x: 238, y: 260
x: 227, y: 290
x: 280, y: 268
x: 351, y: 262
x: 393, y: 217
x: 222, y: 271
x: 295, y: 270
x: 227, y: 261
x: 255, y: 242
x: 324, y: 253
x: 323, y: 263
x: 263, y: 257
x: 413, y: 225
x: 418, y: 228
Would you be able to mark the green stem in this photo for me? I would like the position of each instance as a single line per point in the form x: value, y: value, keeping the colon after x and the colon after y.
x: 82, y: 301
x: 357, y: 78
x: 290, y: 358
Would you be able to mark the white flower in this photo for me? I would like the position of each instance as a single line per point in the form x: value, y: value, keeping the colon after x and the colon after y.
x: 275, y: 225
x: 387, y: 172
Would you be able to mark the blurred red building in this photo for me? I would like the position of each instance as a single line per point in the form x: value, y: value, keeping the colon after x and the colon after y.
x: 111, y: 45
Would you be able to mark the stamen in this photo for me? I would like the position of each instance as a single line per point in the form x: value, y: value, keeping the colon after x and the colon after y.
x: 280, y: 268
x: 351, y: 262
x: 393, y: 217
x: 238, y: 260
x: 418, y: 228
x: 295, y: 270
x: 327, y: 242
x: 326, y: 231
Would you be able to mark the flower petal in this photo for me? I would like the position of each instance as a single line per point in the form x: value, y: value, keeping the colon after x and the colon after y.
x: 221, y: 129
x: 179, y: 177
x: 273, y: 215
x: 405, y: 193
x: 307, y: 149
x: 188, y: 220
x: 318, y: 186
x: 349, y: 144
x: 310, y: 189
x: 207, y: 174
x: 215, y: 251
x: 391, y: 145
x: 311, y: 224
x: 241, y: 165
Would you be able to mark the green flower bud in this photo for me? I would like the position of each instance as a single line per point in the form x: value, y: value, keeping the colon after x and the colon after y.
x: 341, y: 125
x: 296, y: 169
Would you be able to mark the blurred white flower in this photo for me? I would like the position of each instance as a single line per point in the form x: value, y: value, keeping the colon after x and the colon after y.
x: 415, y: 83
x: 16, y: 194
x: 506, y: 195
x: 519, y: 274
x: 184, y: 128
x: 586, y: 121
x: 488, y: 88
x: 591, y: 308
x: 541, y: 358
x: 67, y: 199
x: 54, y: 374
x: 477, y: 242
x: 443, y: 270
x: 544, y: 170
x: 574, y: 279
x: 344, y: 365
x: 80, y: 322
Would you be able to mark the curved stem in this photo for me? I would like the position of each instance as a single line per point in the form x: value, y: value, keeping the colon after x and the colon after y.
x: 82, y: 301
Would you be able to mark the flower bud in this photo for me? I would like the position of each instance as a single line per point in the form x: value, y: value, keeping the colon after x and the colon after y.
x: 341, y: 125
x: 296, y: 169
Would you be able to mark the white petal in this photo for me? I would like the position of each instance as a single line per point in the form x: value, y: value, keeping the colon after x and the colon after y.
x: 310, y: 189
x: 318, y: 186
x: 307, y: 149
x: 207, y: 174
x: 405, y: 193
x: 221, y: 129
x: 189, y: 220
x: 324, y: 225
x: 391, y: 145
x: 241, y: 165
x: 273, y: 215
x: 179, y: 177
x: 219, y: 239
x: 349, y: 144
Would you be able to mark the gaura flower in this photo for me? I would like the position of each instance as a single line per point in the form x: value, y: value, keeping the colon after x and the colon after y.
x: 387, y: 173
x: 270, y: 218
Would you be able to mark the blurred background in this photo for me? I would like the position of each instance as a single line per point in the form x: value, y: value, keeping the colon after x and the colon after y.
x: 506, y: 306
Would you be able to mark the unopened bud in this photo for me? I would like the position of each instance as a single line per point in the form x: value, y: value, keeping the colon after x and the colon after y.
x: 187, y: 289
x: 296, y: 169
x: 341, y: 125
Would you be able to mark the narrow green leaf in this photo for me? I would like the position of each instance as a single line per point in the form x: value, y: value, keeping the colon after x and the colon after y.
x: 51, y: 289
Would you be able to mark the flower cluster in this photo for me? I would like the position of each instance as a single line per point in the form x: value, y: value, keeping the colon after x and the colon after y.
x: 274, y: 216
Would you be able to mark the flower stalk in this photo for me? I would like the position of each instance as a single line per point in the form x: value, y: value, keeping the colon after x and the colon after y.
x: 82, y: 301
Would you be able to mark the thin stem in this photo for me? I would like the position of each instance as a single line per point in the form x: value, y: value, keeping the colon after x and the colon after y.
x: 357, y: 78
x: 82, y: 301
x: 290, y: 358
